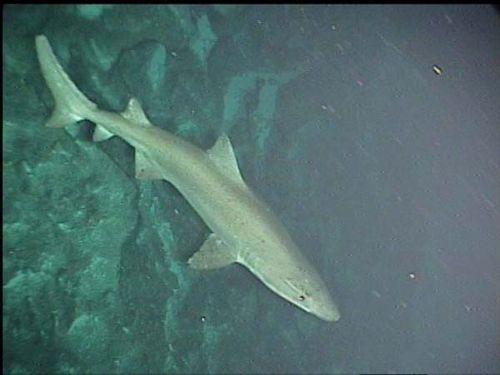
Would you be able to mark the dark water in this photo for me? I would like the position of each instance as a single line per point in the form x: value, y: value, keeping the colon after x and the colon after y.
x: 372, y: 132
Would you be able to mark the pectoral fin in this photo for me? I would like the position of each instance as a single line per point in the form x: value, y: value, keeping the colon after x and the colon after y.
x: 214, y: 253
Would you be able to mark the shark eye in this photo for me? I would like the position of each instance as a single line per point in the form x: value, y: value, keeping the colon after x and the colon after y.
x: 297, y: 289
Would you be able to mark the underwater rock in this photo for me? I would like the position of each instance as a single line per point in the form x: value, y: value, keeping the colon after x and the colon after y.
x: 88, y: 338
x: 143, y: 69
x: 203, y: 40
x: 92, y: 11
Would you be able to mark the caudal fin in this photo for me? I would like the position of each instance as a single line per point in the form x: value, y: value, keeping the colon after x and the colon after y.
x: 70, y: 103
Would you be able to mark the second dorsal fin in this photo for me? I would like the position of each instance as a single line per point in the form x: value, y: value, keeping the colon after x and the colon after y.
x: 135, y: 113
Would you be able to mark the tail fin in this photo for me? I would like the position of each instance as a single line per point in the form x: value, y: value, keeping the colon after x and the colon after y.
x: 71, y: 105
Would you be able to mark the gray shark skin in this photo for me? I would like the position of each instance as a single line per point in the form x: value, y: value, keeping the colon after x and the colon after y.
x: 244, y: 230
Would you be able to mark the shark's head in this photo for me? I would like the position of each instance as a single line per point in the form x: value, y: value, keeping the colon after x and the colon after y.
x: 271, y: 255
x: 311, y: 295
x: 301, y: 285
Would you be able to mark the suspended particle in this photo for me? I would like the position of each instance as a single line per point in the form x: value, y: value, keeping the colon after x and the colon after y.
x: 376, y: 294
x: 412, y: 276
x: 203, y: 318
x: 437, y: 70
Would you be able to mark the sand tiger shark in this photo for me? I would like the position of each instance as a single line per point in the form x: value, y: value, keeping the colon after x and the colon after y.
x: 244, y: 230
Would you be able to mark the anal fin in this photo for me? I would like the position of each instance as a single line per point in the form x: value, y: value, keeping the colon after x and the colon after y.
x: 61, y: 117
x: 214, y: 253
x: 101, y: 134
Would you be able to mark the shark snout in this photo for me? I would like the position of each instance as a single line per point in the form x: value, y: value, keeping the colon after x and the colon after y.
x: 332, y: 315
x: 328, y: 312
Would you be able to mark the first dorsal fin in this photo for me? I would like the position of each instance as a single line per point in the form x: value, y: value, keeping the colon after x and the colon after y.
x: 135, y: 113
x: 222, y: 154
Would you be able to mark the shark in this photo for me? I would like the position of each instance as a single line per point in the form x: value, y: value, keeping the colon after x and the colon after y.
x: 244, y: 230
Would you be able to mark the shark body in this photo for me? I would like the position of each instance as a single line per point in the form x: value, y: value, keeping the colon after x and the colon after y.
x: 244, y: 230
